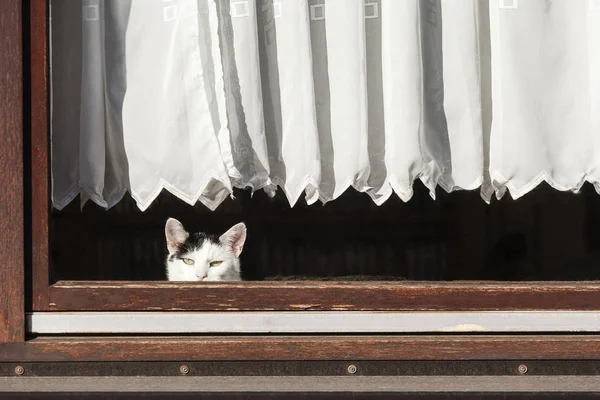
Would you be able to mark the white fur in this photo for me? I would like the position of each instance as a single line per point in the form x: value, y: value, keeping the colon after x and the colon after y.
x: 227, y: 250
x: 201, y: 270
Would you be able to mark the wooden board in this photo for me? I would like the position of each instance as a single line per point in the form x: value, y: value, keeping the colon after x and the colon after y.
x: 305, y: 388
x: 40, y: 146
x: 12, y: 311
x: 322, y: 296
x: 351, y: 348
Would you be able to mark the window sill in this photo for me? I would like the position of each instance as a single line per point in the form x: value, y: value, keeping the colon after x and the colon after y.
x: 322, y: 296
x: 284, y: 348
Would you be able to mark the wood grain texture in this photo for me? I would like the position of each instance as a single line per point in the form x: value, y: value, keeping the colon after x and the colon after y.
x: 315, y: 296
x: 302, y: 388
x: 274, y: 348
x: 39, y: 153
x: 11, y: 173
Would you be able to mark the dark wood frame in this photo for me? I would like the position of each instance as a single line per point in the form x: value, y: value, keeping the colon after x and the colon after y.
x: 107, y: 296
x: 317, y: 348
x: 12, y: 295
x: 40, y: 149
x: 322, y: 296
x: 365, y: 296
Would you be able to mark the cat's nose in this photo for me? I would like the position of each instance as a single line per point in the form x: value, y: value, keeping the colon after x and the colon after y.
x: 201, y: 277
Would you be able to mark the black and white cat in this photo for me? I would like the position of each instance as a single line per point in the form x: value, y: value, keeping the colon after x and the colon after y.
x: 203, y: 257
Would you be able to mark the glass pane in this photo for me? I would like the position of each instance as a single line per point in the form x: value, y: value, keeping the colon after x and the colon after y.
x: 166, y: 109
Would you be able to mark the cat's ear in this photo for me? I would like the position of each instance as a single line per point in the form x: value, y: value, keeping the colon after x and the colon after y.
x: 235, y: 238
x: 175, y: 233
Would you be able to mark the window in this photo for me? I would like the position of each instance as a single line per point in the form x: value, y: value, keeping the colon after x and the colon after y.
x: 26, y: 256
x: 454, y: 253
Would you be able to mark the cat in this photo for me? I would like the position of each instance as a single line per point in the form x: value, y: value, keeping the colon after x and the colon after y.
x: 201, y: 256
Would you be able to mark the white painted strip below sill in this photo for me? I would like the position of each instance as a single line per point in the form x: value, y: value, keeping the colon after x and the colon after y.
x: 307, y: 322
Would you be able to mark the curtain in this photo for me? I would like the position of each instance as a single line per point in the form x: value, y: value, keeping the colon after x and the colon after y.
x: 313, y: 97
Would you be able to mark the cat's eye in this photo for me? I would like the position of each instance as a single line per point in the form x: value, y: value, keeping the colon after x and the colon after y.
x: 216, y: 263
x: 188, y: 261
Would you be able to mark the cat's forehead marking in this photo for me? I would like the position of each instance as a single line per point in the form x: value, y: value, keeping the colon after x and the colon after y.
x: 196, y: 241
x: 201, y: 248
x: 203, y: 252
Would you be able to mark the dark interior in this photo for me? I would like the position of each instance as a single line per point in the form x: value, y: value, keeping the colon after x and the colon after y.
x: 546, y: 235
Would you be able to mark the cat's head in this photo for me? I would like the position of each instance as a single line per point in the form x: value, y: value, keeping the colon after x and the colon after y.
x: 203, y: 257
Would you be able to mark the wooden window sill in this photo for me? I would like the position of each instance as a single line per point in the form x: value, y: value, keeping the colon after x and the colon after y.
x: 212, y: 348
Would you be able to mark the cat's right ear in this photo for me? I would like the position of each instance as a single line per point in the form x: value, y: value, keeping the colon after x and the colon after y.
x: 175, y: 233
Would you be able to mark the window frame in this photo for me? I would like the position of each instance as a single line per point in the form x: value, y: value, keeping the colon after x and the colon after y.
x: 250, y: 296
x: 28, y: 228
x: 12, y: 222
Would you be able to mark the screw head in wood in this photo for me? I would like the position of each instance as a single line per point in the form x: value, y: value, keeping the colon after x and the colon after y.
x: 19, y: 370
x: 522, y: 369
x: 184, y: 369
x: 351, y: 369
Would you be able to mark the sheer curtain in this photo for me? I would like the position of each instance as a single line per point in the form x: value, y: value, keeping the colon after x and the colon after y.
x: 313, y: 97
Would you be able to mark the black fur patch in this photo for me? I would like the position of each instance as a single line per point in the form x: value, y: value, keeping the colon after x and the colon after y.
x: 193, y: 242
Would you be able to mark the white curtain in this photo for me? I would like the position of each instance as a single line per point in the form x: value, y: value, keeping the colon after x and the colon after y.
x: 315, y: 96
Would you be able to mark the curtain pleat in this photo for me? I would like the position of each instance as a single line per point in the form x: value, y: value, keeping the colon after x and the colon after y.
x: 347, y: 109
x: 289, y: 101
x: 463, y: 86
x: 313, y: 97
x: 65, y: 68
x: 245, y: 149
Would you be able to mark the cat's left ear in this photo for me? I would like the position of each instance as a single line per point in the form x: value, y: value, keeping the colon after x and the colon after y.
x: 176, y: 235
x: 235, y: 237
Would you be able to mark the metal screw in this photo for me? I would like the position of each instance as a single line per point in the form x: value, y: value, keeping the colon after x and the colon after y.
x: 351, y: 369
x: 184, y: 369
x: 19, y: 370
x: 522, y: 369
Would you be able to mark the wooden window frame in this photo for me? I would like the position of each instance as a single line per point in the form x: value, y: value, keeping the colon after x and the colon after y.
x: 11, y: 174
x: 24, y: 221
x: 251, y: 296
